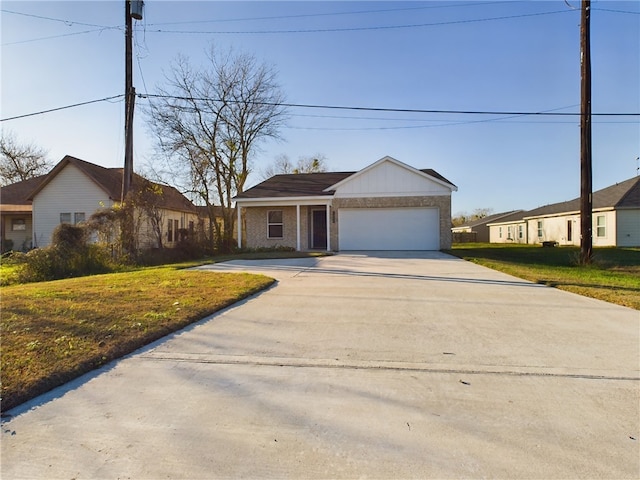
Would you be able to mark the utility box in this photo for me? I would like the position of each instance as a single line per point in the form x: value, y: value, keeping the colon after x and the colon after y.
x: 136, y: 9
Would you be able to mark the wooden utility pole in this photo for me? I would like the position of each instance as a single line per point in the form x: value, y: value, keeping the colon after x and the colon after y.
x: 586, y: 203
x: 129, y: 100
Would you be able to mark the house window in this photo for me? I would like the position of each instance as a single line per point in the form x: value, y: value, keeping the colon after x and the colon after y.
x: 170, y: 231
x: 176, y: 226
x: 191, y: 226
x: 78, y: 217
x: 569, y: 230
x: 275, y: 227
x: 65, y: 217
x: 540, y: 229
x: 499, y: 232
x: 601, y: 226
x: 520, y: 232
x: 18, y: 224
x: 509, y: 233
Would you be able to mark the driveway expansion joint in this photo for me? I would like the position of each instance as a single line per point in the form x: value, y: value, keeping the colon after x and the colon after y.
x: 295, y: 362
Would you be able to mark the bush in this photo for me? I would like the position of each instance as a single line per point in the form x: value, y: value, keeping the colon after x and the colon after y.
x: 68, y: 256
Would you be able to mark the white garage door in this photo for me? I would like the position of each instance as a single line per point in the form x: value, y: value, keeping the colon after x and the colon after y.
x: 389, y: 229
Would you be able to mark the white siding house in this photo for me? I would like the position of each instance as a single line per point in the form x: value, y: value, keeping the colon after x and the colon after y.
x: 74, y: 190
x: 69, y: 197
x: 615, y: 220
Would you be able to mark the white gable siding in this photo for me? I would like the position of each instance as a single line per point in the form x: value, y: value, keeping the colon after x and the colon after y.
x: 69, y: 191
x: 628, y: 228
x: 390, y: 179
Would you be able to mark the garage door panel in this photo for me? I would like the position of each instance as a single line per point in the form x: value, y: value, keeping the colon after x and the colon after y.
x: 389, y: 229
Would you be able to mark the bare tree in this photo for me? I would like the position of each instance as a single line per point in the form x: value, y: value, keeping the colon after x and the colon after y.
x: 282, y: 164
x: 209, y: 123
x: 20, y: 161
x: 463, y: 217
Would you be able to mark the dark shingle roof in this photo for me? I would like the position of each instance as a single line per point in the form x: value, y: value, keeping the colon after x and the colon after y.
x: 295, y: 185
x: 110, y: 180
x: 18, y: 193
x: 306, y: 184
x: 621, y: 195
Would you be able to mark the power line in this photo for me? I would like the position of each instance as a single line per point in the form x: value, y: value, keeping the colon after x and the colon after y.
x: 329, y: 14
x: 69, y: 23
x: 62, y: 108
x: 358, y: 29
x: 339, y: 107
x: 56, y: 36
x: 396, y: 110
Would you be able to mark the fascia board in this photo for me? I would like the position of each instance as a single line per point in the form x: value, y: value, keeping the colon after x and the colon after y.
x: 283, y: 201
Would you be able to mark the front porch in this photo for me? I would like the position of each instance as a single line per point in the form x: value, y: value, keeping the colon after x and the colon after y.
x: 302, y: 225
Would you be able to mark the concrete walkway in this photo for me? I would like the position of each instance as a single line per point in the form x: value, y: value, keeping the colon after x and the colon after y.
x: 384, y: 366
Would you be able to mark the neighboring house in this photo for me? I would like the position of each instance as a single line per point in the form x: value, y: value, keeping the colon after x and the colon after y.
x: 386, y: 206
x: 75, y: 189
x: 478, y: 229
x: 615, y: 217
x: 205, y: 228
x: 15, y: 214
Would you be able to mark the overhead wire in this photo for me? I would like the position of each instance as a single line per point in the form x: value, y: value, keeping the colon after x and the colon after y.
x: 538, y: 113
x: 358, y: 29
x: 399, y: 110
x: 42, y: 112
x: 331, y: 14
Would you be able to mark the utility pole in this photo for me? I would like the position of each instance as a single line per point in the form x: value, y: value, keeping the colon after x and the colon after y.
x: 586, y: 203
x: 130, y: 93
x: 127, y: 226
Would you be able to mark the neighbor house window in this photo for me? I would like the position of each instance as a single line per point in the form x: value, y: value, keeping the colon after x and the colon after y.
x: 176, y: 228
x: 540, y: 229
x: 18, y: 224
x: 78, y: 217
x: 499, y: 232
x: 275, y: 227
x: 520, y: 232
x: 65, y: 217
x: 509, y: 233
x: 601, y: 226
x: 170, y: 231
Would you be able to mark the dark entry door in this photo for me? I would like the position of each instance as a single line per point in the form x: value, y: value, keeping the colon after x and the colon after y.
x: 319, y: 229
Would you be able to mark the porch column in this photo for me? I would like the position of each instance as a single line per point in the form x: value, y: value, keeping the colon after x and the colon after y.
x: 298, y: 227
x: 239, y: 225
x: 328, y: 227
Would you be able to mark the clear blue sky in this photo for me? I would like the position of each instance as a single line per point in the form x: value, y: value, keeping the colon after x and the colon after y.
x: 521, y: 56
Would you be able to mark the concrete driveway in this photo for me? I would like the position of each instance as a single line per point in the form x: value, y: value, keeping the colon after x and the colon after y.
x: 381, y: 366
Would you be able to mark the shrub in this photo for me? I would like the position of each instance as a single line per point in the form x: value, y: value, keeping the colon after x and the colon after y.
x: 68, y: 256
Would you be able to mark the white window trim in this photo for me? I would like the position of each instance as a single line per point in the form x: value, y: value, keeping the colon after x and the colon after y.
x: 269, y: 224
x: 603, y: 226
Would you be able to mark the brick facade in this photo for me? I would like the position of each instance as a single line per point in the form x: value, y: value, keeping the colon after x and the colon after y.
x: 255, y: 220
x: 442, y: 202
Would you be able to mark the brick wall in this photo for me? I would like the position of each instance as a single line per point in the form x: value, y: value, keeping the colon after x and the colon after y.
x: 255, y: 235
x: 442, y: 202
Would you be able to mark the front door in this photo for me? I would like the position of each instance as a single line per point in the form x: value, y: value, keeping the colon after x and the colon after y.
x: 319, y: 229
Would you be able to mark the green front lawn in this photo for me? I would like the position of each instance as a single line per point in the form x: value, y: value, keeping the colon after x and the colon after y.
x: 55, y: 331
x: 613, y: 276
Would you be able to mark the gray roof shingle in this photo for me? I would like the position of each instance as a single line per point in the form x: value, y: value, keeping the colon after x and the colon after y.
x: 110, y: 180
x: 306, y: 184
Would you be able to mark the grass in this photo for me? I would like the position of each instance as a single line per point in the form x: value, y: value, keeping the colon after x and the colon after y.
x: 55, y: 331
x: 613, y: 276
